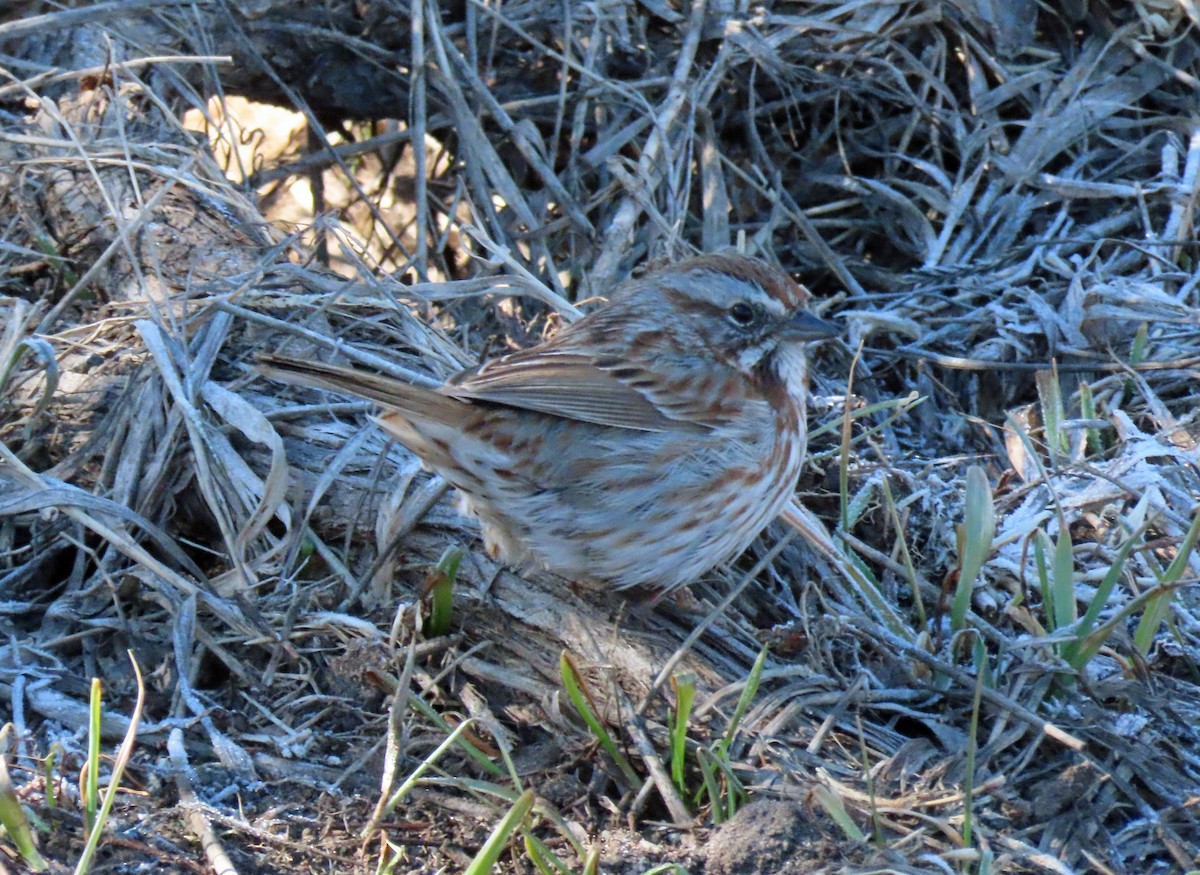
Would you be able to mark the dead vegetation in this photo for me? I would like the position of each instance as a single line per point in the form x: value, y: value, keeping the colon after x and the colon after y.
x: 1001, y: 213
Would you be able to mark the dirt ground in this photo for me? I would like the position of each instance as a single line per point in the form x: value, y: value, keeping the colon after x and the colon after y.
x: 979, y: 624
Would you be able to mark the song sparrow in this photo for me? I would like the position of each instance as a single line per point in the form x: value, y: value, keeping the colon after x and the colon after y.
x: 641, y: 445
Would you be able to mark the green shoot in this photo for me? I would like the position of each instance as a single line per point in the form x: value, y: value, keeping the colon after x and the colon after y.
x: 1053, y: 416
x: 429, y: 712
x: 509, y: 796
x: 591, y: 865
x: 837, y: 811
x: 1157, y: 609
x: 582, y: 701
x: 1160, y: 602
x: 975, y: 536
x: 898, y: 407
x: 48, y: 775
x: 685, y: 695
x: 14, y: 821
x: 90, y: 789
x: 11, y: 350
x: 1087, y: 409
x: 1065, y: 609
x: 1080, y: 652
x: 973, y: 742
x: 389, y: 856
x: 544, y: 859
x: 708, y: 775
x: 749, y: 691
x: 859, y: 503
x: 485, y: 861
x: 716, y: 771
x: 715, y: 768
x: 396, y: 798
x: 1057, y: 581
x: 123, y: 756
x: 869, y: 777
x: 441, y: 589
x: 1141, y: 340
x: 910, y: 570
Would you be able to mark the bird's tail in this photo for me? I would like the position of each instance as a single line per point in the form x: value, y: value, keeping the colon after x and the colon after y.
x: 388, y: 391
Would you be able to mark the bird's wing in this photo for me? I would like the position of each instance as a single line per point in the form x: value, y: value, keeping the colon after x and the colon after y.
x: 572, y: 385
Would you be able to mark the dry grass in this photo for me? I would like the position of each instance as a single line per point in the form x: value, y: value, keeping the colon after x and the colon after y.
x: 1002, y: 216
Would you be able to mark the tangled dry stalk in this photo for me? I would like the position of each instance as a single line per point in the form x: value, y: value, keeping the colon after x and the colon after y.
x: 1001, y: 213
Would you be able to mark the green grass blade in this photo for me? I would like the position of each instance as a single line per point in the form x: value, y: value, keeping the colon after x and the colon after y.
x: 1040, y: 540
x: 837, y: 811
x: 910, y: 571
x: 973, y: 743
x: 91, y: 785
x: 48, y: 775
x: 124, y: 754
x: 1184, y: 553
x: 1053, y: 415
x: 710, y: 786
x: 411, y: 781
x: 1078, y: 653
x: 583, y: 707
x: 544, y: 859
x: 485, y: 861
x: 735, y: 792
x: 749, y: 691
x: 1156, y: 611
x: 429, y: 712
x: 1087, y: 409
x: 39, y: 347
x: 975, y: 542
x: 844, y: 451
x: 1063, y: 580
x: 685, y: 695
x: 591, y: 865
x: 445, y: 573
x: 1141, y: 340
x: 1159, y: 605
x: 16, y: 824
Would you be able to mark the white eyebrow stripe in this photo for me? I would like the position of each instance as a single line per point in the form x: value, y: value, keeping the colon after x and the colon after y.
x: 722, y: 290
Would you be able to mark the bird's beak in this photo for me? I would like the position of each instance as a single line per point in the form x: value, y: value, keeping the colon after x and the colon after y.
x: 806, y: 326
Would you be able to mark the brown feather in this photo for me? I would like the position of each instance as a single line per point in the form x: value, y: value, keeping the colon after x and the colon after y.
x: 388, y: 391
x: 564, y: 384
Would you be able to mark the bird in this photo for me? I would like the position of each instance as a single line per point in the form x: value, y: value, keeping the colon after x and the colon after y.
x: 641, y: 445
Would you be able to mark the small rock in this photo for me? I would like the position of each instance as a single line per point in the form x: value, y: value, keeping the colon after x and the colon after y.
x: 767, y: 837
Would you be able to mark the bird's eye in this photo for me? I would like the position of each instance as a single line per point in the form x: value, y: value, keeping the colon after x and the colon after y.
x: 742, y: 314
